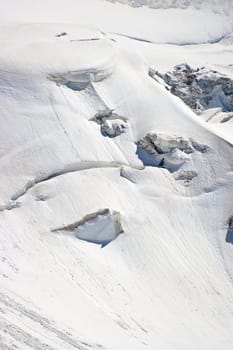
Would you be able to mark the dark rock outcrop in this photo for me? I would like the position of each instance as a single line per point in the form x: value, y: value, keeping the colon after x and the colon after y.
x: 201, y: 88
x: 170, y: 152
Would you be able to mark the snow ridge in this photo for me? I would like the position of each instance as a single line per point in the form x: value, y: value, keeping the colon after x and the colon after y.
x: 217, y: 6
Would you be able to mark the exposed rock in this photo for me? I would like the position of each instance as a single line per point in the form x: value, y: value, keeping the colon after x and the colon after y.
x: 227, y: 118
x: 113, y: 128
x: 100, y: 227
x: 61, y: 34
x: 162, y: 143
x: 170, y: 152
x: 186, y: 176
x: 225, y: 8
x: 107, y: 114
x: 111, y: 124
x: 199, y: 147
x: 201, y: 88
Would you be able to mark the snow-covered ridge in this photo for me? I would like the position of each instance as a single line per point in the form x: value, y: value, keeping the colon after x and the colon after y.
x: 208, y: 21
x: 217, y: 6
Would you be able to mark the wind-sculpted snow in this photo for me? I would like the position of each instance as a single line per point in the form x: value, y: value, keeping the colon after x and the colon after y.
x: 75, y: 109
x: 14, y: 201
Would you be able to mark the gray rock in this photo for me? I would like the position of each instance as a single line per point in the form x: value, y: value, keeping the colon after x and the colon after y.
x: 186, y: 175
x: 113, y: 128
x: 111, y: 124
x: 162, y: 143
x: 169, y: 151
x: 200, y: 88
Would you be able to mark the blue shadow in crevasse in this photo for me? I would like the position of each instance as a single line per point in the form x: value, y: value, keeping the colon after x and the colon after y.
x: 229, y: 236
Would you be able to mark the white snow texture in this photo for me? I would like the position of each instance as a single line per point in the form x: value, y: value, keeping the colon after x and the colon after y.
x: 116, y: 198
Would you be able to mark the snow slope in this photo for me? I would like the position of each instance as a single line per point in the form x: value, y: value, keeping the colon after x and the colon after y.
x: 166, y: 281
x: 165, y: 24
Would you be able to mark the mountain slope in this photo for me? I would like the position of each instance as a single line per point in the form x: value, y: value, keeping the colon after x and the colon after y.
x: 160, y: 25
x: 77, y: 105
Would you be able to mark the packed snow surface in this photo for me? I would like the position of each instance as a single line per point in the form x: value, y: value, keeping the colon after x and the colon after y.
x: 93, y: 143
x: 178, y: 21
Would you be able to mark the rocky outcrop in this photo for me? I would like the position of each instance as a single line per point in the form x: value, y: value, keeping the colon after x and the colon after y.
x: 170, y: 152
x: 112, y: 128
x: 217, y: 6
x: 100, y: 227
x: 111, y: 124
x: 186, y: 176
x: 201, y: 88
x: 163, y: 143
x: 227, y: 118
x: 61, y: 34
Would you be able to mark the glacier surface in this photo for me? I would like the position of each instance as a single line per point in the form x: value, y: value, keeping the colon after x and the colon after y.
x: 85, y: 125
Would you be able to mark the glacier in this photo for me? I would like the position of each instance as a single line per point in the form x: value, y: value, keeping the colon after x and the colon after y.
x: 115, y: 196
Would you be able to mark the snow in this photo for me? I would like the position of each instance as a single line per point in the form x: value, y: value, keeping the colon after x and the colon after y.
x: 101, y: 227
x: 166, y: 282
x: 164, y: 24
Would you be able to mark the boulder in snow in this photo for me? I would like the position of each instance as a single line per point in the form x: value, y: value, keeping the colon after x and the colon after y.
x: 168, y: 151
x: 111, y: 124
